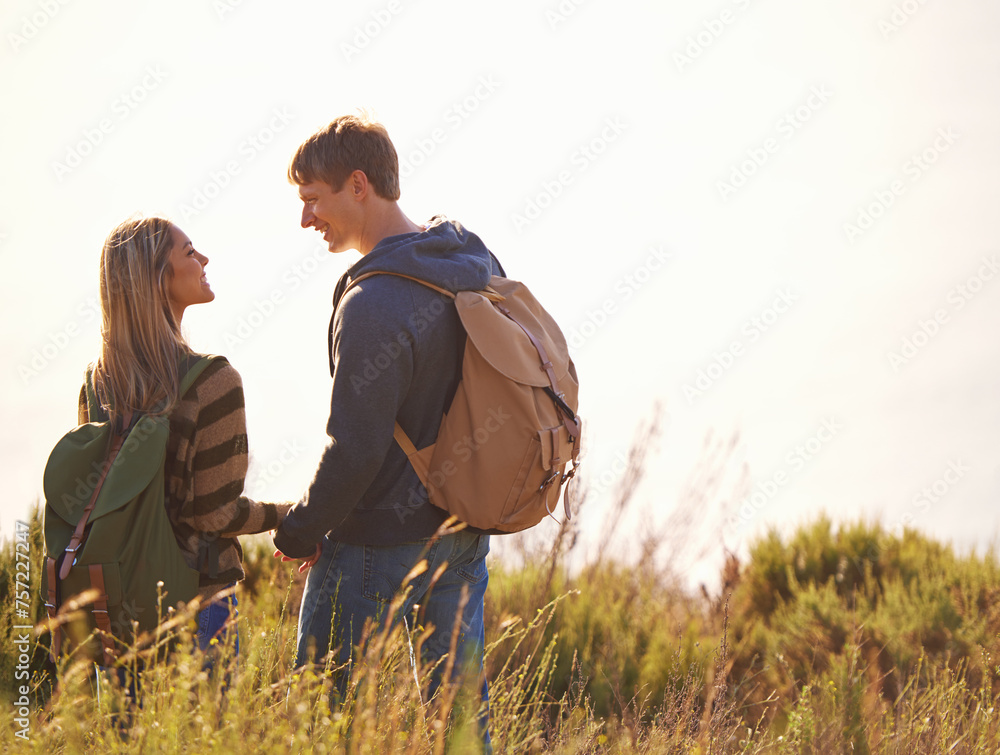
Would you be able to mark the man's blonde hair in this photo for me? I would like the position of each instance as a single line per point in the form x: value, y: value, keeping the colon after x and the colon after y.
x: 349, y: 143
x: 141, y: 342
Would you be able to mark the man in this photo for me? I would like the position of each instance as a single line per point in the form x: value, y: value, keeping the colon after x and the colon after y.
x: 395, y: 355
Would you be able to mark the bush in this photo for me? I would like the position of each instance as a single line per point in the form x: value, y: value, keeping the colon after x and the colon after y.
x: 838, y: 639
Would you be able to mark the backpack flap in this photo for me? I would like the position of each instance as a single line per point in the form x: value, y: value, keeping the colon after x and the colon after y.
x: 72, y: 470
x: 141, y: 457
x: 504, y: 344
x: 75, y: 465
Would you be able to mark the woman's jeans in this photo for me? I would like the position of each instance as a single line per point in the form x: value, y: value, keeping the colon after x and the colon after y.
x: 211, y: 625
x: 350, y: 584
x: 212, y: 622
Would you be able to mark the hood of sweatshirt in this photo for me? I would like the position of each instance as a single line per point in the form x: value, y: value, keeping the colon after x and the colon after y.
x: 445, y: 254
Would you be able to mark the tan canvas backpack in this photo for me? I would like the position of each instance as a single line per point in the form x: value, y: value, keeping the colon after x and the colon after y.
x: 502, y: 450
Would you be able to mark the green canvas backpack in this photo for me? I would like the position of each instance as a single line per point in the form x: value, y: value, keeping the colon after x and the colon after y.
x: 106, y: 528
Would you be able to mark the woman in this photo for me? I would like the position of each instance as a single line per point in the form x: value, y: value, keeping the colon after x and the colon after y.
x: 150, y: 274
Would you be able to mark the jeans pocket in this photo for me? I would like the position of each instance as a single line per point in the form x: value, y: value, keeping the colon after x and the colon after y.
x: 474, y: 569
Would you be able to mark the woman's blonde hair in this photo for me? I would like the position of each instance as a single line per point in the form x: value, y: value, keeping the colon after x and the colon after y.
x: 141, y: 341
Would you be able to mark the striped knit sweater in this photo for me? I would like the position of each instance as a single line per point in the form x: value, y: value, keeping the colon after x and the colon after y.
x: 205, y: 471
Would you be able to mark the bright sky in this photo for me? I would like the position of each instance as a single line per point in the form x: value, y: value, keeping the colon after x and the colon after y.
x: 773, y: 217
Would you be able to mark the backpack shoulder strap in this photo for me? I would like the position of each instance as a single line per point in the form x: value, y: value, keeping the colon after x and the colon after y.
x: 489, y: 292
x: 360, y: 278
x: 198, y: 363
x: 95, y: 412
x: 194, y: 371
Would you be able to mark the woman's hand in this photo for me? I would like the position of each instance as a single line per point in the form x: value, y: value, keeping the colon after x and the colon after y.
x: 307, y: 563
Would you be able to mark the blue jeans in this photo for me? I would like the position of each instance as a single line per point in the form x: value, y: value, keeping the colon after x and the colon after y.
x: 212, y: 622
x: 352, y: 583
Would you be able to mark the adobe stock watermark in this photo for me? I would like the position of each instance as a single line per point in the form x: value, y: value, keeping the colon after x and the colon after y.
x: 934, y: 493
x: 365, y: 32
x: 224, y: 7
x: 795, y: 461
x: 124, y: 620
x: 85, y: 486
x: 388, y: 351
x: 704, y: 38
x: 22, y: 629
x: 249, y: 148
x: 956, y: 299
x: 121, y: 108
x: 607, y: 479
x: 786, y: 127
x: 928, y: 496
x: 623, y: 289
x: 581, y: 159
x: 900, y: 16
x: 750, y: 332
x: 263, y: 308
x: 914, y: 169
x: 455, y: 115
x: 558, y: 14
x: 31, y: 25
x: 58, y: 340
x: 266, y: 474
x: 463, y: 449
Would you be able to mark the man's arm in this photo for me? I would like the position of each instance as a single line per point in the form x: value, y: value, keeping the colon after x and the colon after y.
x: 373, y: 366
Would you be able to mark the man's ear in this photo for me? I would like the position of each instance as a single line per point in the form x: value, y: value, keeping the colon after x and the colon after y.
x: 358, y: 184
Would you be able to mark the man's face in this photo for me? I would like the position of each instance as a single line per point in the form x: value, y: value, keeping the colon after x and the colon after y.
x: 335, y: 214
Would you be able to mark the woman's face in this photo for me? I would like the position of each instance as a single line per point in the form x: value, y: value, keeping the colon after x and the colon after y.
x: 188, y: 284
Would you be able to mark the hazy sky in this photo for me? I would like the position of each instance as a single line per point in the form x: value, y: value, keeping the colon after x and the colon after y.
x: 777, y: 219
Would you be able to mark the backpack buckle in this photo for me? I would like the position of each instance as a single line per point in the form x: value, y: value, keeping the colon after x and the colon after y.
x: 548, y: 481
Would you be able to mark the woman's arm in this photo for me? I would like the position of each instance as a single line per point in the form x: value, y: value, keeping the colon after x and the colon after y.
x: 220, y: 462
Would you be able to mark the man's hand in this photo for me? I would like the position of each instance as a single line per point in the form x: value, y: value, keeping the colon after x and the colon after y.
x: 307, y: 563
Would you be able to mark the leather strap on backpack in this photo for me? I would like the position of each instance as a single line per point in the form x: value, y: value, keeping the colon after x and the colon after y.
x: 81, y: 525
x: 419, y: 464
x: 51, y: 608
x: 100, y: 612
x: 489, y: 292
x: 571, y: 422
x: 100, y: 609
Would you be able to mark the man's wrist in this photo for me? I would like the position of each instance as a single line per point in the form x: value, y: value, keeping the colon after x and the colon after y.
x: 292, y: 546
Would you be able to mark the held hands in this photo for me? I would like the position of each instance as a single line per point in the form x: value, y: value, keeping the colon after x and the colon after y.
x: 306, y: 562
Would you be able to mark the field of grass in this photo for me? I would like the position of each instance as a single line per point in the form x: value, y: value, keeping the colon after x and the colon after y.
x: 836, y: 640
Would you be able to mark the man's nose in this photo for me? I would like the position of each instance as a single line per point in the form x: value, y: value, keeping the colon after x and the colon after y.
x: 307, y: 217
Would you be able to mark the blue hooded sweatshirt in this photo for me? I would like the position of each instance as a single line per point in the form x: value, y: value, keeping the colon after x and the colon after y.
x: 395, y: 355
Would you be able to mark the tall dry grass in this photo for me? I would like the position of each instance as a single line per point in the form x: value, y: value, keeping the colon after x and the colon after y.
x: 848, y: 639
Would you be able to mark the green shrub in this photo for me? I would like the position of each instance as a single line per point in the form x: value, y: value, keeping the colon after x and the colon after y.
x: 846, y: 639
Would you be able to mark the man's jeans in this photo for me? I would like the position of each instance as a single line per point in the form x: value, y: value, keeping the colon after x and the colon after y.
x: 351, y: 583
